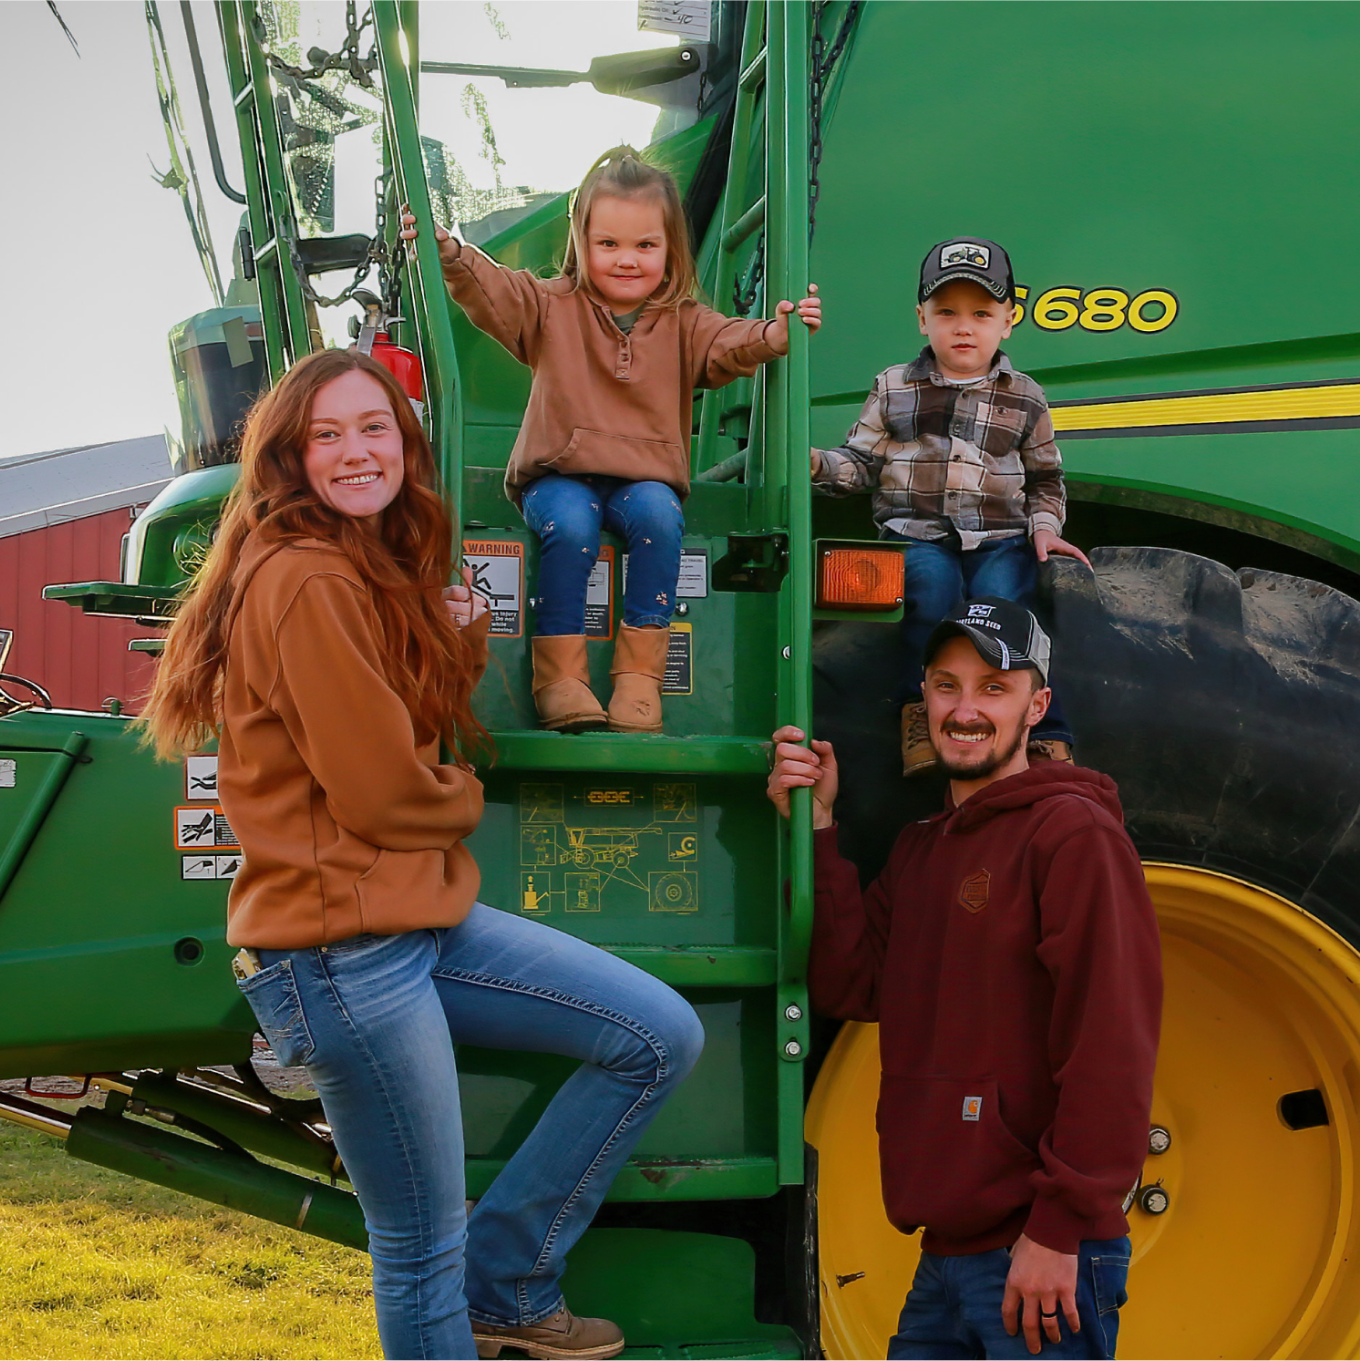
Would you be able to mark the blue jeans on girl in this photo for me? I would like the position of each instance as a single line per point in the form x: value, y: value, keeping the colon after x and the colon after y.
x: 954, y: 1308
x: 940, y: 576
x: 375, y: 1020
x: 567, y: 514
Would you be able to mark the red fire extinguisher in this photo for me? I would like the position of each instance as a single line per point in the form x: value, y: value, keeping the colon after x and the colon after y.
x: 374, y: 340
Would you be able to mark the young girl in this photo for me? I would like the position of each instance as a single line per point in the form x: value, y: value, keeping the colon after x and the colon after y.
x: 617, y: 344
x: 317, y: 640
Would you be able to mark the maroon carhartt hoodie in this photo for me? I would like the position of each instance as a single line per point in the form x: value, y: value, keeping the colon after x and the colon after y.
x: 1010, y: 954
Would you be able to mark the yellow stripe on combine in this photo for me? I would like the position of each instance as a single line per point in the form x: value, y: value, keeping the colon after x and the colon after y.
x: 1286, y: 404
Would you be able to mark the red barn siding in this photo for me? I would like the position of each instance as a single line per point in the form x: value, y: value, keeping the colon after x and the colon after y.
x: 80, y: 661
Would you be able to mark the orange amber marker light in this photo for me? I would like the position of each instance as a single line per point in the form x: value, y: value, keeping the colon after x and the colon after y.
x: 860, y: 578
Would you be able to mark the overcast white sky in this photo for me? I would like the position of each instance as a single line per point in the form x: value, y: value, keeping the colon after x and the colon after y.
x: 100, y: 256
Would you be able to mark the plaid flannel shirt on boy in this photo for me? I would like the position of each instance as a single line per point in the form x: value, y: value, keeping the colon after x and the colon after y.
x: 947, y: 460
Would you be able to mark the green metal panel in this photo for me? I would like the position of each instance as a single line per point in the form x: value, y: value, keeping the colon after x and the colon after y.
x: 1189, y: 148
x: 108, y: 957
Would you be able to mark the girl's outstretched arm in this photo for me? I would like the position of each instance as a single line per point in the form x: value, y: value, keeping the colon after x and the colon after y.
x: 777, y: 328
x: 508, y: 304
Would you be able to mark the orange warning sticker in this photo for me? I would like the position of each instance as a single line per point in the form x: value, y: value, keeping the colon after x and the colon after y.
x: 204, y: 828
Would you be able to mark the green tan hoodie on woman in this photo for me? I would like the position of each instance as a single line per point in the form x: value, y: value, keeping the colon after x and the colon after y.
x: 347, y: 819
x: 602, y: 401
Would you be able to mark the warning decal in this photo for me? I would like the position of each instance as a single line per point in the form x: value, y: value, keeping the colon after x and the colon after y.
x: 679, y: 678
x: 200, y: 777
x: 204, y: 828
x: 8, y: 769
x: 498, y: 574
x: 600, y: 596
x: 691, y: 19
x: 691, y: 584
x: 198, y: 867
x: 630, y: 846
x: 209, y: 866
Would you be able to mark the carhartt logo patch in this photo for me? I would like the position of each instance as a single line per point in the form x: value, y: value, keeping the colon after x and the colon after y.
x: 975, y: 890
x: 972, y: 1108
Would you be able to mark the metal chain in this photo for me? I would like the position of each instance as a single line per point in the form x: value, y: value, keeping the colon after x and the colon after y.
x: 377, y: 254
x: 744, y: 292
x: 819, y: 69
x: 346, y: 59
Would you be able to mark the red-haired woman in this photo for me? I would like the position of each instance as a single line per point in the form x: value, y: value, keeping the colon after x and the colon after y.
x: 320, y: 642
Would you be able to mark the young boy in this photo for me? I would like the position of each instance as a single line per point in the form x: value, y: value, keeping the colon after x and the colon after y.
x: 958, y: 448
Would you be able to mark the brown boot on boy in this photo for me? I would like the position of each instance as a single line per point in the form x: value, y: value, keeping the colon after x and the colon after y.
x: 638, y: 670
x: 917, y: 753
x: 561, y: 1335
x: 562, y: 685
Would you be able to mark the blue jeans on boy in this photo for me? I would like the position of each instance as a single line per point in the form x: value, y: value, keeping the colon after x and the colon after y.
x: 941, y: 576
x: 567, y: 514
x: 954, y: 1307
x: 375, y: 1020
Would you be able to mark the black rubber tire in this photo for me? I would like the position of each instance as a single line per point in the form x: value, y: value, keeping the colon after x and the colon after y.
x: 1225, y: 704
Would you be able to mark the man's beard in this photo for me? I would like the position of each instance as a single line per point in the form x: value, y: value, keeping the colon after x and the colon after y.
x: 999, y: 757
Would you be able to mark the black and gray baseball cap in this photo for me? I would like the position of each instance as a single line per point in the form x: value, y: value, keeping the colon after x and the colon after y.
x: 968, y: 257
x: 1006, y: 635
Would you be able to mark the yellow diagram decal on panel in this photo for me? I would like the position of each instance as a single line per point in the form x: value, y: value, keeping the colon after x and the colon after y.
x: 620, y: 847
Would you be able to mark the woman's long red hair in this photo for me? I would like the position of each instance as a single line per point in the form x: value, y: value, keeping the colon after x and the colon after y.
x: 405, y: 565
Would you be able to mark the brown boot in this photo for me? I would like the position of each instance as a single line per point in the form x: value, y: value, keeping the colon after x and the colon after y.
x: 1049, y: 749
x: 917, y: 753
x: 638, y: 670
x: 562, y: 1335
x: 562, y: 685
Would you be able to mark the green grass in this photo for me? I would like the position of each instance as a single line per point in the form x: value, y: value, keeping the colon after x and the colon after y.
x: 94, y: 1264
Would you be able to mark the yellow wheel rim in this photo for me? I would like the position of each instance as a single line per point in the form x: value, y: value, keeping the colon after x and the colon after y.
x: 1258, y: 1254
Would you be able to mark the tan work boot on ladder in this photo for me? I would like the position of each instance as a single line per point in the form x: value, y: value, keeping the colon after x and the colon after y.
x: 638, y: 670
x: 562, y: 692
x: 917, y: 753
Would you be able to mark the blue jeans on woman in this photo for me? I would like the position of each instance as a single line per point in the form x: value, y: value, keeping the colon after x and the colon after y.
x: 567, y: 514
x: 954, y: 1307
x: 375, y: 1020
x: 941, y: 576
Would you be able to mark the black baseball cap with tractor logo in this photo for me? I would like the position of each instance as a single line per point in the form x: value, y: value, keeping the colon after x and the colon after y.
x: 968, y: 257
x: 1006, y: 635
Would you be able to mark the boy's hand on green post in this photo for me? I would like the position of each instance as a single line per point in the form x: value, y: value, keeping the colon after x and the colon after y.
x: 1046, y: 542
x: 777, y: 328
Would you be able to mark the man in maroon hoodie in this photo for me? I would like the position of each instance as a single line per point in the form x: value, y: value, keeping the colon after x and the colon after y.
x: 1010, y: 954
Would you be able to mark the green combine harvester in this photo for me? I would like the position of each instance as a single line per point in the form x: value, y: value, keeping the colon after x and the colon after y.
x: 1175, y: 184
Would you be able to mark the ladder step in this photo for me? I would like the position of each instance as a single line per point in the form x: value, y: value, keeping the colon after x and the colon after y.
x: 754, y: 75
x: 247, y: 94
x: 632, y: 753
x: 748, y: 222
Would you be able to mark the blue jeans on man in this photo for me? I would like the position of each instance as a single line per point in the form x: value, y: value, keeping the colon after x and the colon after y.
x: 940, y: 575
x: 567, y: 513
x: 954, y: 1308
x: 375, y: 1020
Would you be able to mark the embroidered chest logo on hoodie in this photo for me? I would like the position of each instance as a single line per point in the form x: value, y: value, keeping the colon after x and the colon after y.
x: 975, y: 889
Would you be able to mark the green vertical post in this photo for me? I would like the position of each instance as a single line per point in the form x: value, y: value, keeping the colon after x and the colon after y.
x: 272, y: 254
x: 788, y: 497
x: 428, y: 297
x: 734, y: 205
x: 261, y: 229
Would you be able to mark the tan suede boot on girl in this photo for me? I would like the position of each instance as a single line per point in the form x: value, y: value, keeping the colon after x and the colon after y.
x: 639, y: 667
x: 562, y: 685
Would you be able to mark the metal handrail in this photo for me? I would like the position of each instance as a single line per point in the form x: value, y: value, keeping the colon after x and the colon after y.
x: 398, y: 60
x: 787, y: 497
